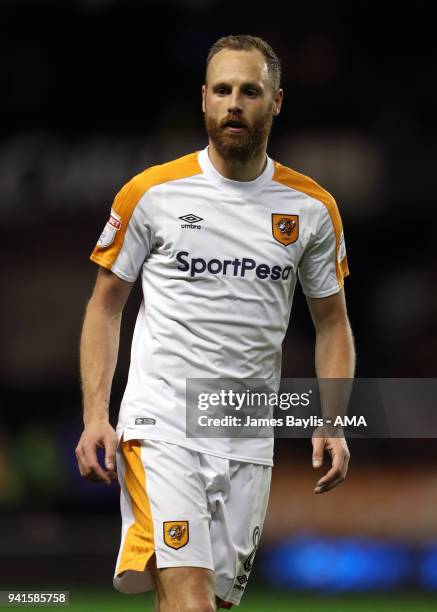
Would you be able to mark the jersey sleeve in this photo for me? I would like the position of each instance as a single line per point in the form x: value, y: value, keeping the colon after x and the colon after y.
x: 324, y: 265
x: 127, y: 238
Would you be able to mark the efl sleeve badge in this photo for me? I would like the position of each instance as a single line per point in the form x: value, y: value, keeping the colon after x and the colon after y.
x: 111, y: 228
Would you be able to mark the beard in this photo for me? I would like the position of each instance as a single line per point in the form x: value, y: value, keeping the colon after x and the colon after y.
x: 241, y: 146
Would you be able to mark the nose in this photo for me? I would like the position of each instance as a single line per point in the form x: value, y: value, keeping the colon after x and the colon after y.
x: 235, y: 107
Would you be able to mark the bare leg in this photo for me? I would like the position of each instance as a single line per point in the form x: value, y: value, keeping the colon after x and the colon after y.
x: 183, y: 589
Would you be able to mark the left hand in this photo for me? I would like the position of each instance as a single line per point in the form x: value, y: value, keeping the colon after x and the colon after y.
x: 339, y: 452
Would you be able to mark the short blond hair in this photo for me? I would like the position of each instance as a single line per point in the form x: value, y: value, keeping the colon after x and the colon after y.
x: 246, y: 42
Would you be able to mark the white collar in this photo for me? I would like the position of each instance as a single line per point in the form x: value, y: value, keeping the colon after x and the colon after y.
x: 236, y: 188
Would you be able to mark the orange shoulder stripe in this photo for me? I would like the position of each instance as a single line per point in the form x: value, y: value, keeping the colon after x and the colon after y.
x: 300, y: 182
x: 128, y: 197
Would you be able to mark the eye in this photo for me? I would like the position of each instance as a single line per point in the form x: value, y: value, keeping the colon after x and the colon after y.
x: 221, y: 91
x: 252, y: 93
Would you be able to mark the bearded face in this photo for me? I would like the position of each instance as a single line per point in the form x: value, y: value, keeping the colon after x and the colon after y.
x: 239, y: 138
x: 239, y: 102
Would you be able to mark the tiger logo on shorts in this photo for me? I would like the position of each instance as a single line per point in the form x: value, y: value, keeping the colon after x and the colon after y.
x: 285, y: 228
x: 176, y: 533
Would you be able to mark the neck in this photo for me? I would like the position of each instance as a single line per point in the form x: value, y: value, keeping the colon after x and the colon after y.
x: 237, y: 170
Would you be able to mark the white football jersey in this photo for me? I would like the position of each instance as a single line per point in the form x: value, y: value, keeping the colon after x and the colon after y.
x: 219, y: 260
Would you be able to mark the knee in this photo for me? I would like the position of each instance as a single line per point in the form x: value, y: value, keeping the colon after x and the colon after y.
x: 198, y: 605
x: 191, y: 605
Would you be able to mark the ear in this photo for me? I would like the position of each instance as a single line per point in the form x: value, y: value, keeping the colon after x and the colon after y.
x: 277, y: 102
x: 203, y: 98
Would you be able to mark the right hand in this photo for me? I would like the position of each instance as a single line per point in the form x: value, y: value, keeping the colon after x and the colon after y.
x: 97, y: 434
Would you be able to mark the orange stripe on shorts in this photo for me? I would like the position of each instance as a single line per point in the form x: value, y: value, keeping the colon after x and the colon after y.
x: 139, y: 543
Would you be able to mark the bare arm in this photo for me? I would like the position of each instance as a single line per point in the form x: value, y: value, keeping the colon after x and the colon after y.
x: 98, y: 359
x: 335, y: 353
x: 334, y: 358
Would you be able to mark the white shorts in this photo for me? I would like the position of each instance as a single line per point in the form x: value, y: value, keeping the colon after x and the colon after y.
x: 190, y: 509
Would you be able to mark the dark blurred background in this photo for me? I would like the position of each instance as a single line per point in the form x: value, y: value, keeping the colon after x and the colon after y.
x: 93, y: 92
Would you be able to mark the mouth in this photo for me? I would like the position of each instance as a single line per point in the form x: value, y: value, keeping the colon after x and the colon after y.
x: 234, y: 125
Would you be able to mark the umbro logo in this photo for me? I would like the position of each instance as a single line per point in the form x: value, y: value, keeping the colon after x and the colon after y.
x: 191, y: 221
x: 191, y: 218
